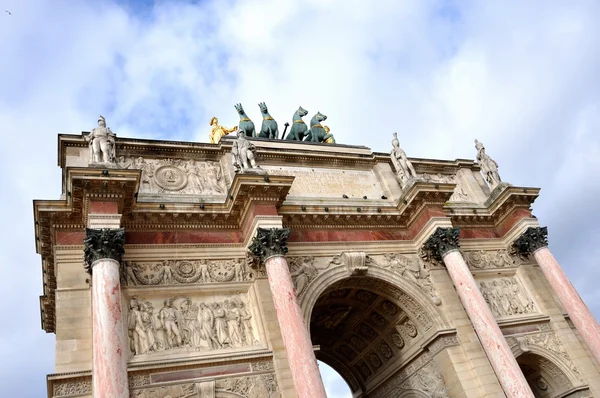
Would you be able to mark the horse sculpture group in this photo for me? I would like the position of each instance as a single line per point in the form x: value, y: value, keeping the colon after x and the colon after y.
x: 298, y: 132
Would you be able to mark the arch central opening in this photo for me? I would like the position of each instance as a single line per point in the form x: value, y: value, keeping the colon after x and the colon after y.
x: 364, y: 333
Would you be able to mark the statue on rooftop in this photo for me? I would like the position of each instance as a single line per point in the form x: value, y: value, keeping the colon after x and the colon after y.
x: 299, y: 128
x: 243, y: 155
x: 329, y: 140
x: 218, y: 131
x: 102, y: 143
x: 404, y: 168
x: 317, y: 132
x: 246, y: 125
x: 489, y: 167
x: 269, y: 127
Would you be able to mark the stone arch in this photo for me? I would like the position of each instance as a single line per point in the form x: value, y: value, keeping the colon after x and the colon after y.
x: 547, y: 373
x: 392, y: 321
x: 400, y: 287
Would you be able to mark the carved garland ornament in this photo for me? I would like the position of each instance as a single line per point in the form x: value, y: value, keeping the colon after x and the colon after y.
x: 170, y: 272
x: 103, y: 244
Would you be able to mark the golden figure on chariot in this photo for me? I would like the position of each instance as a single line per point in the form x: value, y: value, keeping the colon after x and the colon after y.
x: 218, y: 131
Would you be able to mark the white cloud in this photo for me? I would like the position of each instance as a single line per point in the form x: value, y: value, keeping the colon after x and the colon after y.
x: 521, y: 77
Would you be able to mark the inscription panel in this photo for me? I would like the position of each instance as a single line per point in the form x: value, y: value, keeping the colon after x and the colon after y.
x: 330, y: 183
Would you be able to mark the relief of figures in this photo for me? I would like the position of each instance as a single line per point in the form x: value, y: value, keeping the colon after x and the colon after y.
x: 303, y: 272
x: 181, y: 323
x: 412, y: 269
x: 506, y: 297
x: 169, y: 272
x: 177, y: 175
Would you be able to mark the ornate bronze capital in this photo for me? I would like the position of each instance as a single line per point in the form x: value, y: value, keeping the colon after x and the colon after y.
x: 269, y: 242
x: 103, y: 243
x: 533, y: 239
x: 441, y: 242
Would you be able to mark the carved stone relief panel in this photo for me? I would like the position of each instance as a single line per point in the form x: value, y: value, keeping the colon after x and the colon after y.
x: 481, y: 259
x: 187, y: 390
x: 177, y: 176
x: 172, y: 272
x: 506, y: 296
x: 303, y: 272
x: 411, y: 268
x: 249, y: 386
x: 182, y: 325
x: 330, y: 183
x: 461, y: 194
x: 78, y: 386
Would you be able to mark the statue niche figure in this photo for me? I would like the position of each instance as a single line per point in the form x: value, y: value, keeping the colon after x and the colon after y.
x: 218, y: 131
x: 269, y: 127
x: 246, y: 125
x: 102, y: 143
x: 243, y: 155
x: 317, y: 132
x: 404, y: 168
x: 489, y: 167
x: 299, y: 128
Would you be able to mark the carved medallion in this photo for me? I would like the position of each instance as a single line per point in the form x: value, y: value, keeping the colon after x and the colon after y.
x: 398, y: 340
x: 170, y: 178
x: 386, y: 351
x: 375, y: 361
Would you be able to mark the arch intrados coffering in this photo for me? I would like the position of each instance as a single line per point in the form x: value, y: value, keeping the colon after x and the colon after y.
x: 386, y: 286
x: 394, y: 289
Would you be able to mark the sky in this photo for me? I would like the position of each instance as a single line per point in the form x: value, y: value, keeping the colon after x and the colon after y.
x: 522, y: 77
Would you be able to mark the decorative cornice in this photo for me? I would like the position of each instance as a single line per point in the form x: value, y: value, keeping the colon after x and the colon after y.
x: 531, y: 240
x: 103, y: 243
x: 441, y: 242
x: 269, y: 242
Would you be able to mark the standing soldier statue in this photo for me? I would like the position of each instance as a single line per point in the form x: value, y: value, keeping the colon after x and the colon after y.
x: 102, y: 143
x: 489, y: 167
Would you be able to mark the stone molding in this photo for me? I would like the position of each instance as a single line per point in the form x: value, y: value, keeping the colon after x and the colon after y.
x: 103, y: 244
x: 441, y: 242
x: 531, y: 240
x: 269, y: 242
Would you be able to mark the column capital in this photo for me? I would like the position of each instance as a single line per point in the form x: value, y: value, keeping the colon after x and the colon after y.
x: 441, y: 242
x: 269, y: 242
x: 531, y: 240
x: 103, y: 243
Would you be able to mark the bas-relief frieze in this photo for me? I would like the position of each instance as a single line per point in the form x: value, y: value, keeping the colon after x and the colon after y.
x: 170, y: 272
x: 330, y: 183
x: 253, y: 386
x: 183, y: 325
x: 72, y: 387
x: 177, y: 176
x: 506, y: 297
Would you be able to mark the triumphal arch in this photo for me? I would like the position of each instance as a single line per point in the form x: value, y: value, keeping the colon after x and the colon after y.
x: 222, y: 270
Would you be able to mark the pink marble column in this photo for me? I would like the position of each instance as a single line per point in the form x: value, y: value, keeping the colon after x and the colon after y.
x: 299, y: 349
x: 444, y: 244
x: 109, y: 350
x: 270, y: 246
x: 534, y: 241
x: 109, y: 341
